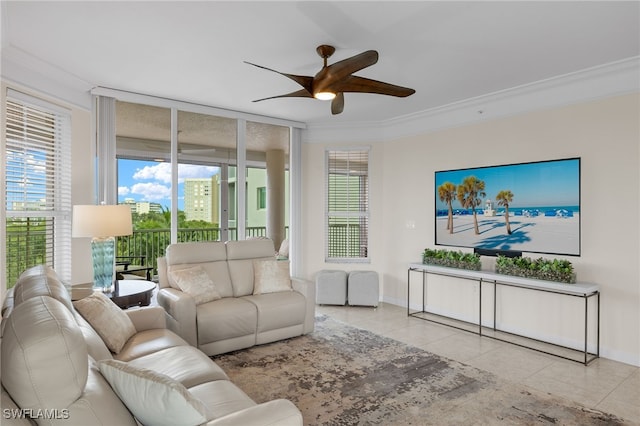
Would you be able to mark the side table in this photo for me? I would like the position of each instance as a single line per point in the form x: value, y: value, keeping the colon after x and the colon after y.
x: 127, y: 293
x: 130, y: 293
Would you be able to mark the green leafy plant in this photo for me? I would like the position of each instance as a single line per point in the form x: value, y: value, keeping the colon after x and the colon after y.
x: 558, y: 270
x: 451, y: 259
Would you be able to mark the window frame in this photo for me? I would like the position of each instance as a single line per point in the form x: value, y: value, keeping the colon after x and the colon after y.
x: 50, y: 177
x: 361, y: 215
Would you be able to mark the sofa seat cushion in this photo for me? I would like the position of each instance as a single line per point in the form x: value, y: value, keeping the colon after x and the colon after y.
x: 225, y: 319
x: 278, y: 310
x: 185, y: 364
x: 149, y: 341
x: 221, y: 398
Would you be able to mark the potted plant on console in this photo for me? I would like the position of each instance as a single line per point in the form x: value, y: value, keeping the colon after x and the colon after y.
x: 543, y: 269
x: 451, y: 259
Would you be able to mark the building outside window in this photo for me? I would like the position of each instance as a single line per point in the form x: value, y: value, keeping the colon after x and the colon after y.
x: 261, y: 193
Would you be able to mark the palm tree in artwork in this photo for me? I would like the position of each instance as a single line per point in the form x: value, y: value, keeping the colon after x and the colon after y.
x: 470, y: 195
x: 447, y: 193
x: 505, y: 197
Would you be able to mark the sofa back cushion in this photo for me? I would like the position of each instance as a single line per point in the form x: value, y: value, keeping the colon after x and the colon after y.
x: 44, y: 356
x: 210, y: 256
x: 41, y: 280
x: 240, y: 257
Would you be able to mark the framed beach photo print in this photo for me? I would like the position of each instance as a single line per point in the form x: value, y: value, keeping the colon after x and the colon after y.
x: 528, y: 207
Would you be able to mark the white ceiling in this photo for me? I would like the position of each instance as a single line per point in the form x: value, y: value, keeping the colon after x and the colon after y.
x: 194, y: 51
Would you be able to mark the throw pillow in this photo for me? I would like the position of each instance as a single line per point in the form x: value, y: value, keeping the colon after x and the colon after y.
x: 107, y: 319
x: 271, y: 276
x: 196, y: 282
x: 153, y: 398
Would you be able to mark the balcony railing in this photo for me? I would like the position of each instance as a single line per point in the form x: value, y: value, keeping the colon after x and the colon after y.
x: 152, y: 243
x: 31, y: 248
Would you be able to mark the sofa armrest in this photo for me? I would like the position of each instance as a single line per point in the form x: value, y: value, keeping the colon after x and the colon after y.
x: 180, y: 313
x: 308, y: 290
x: 276, y: 412
x: 147, y: 318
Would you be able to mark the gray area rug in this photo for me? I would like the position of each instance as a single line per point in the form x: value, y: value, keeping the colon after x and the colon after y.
x: 342, y: 375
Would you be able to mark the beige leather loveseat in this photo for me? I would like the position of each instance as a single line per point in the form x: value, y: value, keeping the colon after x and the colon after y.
x: 57, y: 369
x: 247, y: 297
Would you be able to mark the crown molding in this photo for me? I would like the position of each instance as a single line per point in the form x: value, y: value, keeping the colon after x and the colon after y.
x: 26, y: 70
x: 612, y: 79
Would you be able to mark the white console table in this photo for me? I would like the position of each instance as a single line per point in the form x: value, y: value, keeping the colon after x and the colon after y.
x: 582, y: 290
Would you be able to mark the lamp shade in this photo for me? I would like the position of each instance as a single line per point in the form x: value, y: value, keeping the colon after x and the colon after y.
x: 101, y: 221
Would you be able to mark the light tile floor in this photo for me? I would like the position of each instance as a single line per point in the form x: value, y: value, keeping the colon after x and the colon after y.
x: 605, y: 385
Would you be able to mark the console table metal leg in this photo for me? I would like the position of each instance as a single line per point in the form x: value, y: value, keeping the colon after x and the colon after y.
x: 424, y: 291
x: 495, y: 303
x: 409, y: 292
x: 586, y: 324
x: 480, y: 307
x: 598, y: 328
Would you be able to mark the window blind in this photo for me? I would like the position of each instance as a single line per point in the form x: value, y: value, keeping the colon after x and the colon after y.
x: 37, y: 186
x: 347, y: 204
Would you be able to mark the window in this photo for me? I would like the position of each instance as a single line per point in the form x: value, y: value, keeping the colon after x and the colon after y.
x: 347, y: 226
x: 262, y: 197
x: 37, y: 186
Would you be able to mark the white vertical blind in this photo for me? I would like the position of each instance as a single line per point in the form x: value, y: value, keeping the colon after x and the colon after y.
x: 347, y: 189
x: 37, y: 186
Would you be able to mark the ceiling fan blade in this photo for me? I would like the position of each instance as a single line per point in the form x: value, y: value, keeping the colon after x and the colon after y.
x: 337, y: 104
x: 302, y: 93
x: 302, y: 80
x: 353, y: 64
x: 366, y: 85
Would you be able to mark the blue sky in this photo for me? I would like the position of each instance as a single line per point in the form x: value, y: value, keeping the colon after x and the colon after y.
x: 151, y: 181
x: 549, y: 183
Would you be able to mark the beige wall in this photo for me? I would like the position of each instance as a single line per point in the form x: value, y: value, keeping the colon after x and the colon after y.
x: 604, y: 133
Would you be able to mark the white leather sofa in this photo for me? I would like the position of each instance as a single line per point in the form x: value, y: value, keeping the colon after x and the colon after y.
x: 54, y: 361
x: 242, y: 316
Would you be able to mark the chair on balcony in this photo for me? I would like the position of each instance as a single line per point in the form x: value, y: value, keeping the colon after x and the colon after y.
x: 133, y: 268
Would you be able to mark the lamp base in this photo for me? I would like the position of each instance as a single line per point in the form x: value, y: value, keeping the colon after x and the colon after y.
x: 104, y: 263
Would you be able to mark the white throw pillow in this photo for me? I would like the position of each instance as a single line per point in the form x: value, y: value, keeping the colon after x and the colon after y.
x: 271, y: 276
x: 153, y: 398
x: 107, y: 319
x: 196, y: 282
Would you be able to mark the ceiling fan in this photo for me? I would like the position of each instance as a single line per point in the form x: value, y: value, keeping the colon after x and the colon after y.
x: 332, y: 81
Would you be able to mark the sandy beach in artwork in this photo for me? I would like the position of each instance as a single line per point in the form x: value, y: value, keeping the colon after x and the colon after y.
x: 539, y: 233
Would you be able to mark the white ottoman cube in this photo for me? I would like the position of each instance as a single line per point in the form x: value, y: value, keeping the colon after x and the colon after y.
x: 363, y: 289
x: 331, y: 287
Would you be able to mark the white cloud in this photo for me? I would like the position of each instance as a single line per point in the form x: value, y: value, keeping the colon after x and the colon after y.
x: 123, y: 190
x: 151, y: 191
x: 162, y: 172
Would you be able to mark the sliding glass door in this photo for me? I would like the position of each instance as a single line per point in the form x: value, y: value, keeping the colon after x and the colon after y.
x: 228, y: 178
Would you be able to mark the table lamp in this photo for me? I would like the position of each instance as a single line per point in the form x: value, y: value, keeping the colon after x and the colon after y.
x: 102, y: 223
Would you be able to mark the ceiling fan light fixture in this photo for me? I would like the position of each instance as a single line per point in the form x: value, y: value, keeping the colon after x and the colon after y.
x: 324, y: 96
